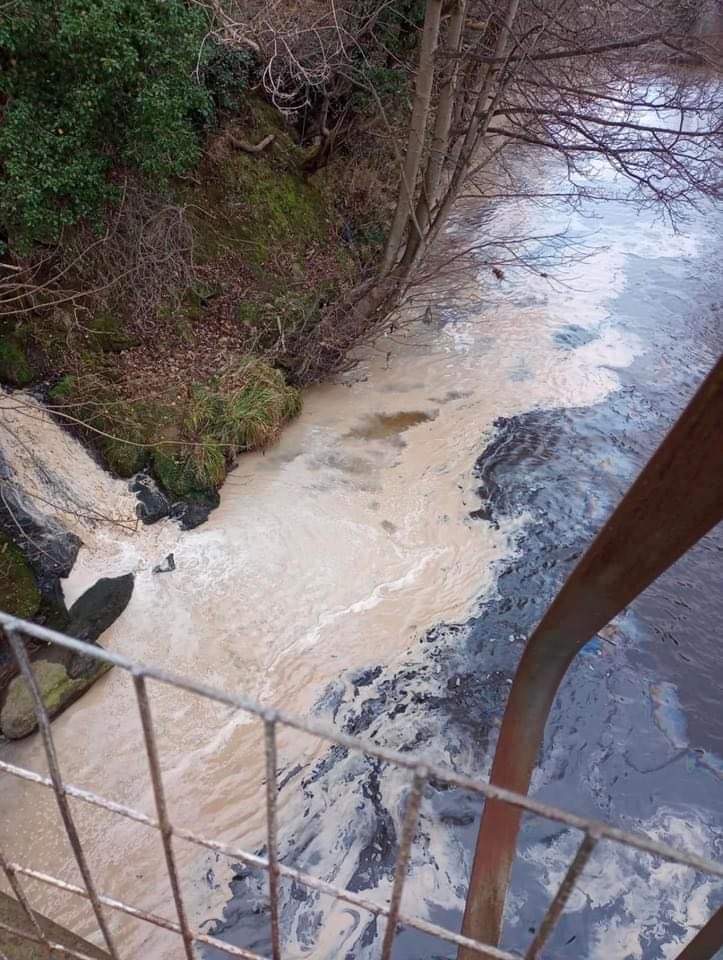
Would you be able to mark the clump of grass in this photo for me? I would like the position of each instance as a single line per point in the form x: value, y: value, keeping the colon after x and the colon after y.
x: 190, y: 444
x: 244, y: 410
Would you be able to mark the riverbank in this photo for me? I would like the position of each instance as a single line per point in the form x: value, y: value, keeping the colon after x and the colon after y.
x: 180, y: 368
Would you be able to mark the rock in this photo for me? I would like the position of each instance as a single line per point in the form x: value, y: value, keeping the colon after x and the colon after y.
x: 99, y: 607
x: 63, y: 675
x: 152, y: 504
x: 57, y: 687
x: 168, y: 565
x: 193, y: 512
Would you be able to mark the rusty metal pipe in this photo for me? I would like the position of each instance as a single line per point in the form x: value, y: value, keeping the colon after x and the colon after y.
x: 674, y: 502
x: 707, y: 941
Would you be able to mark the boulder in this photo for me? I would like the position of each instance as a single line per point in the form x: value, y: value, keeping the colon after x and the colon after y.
x: 193, y: 511
x: 99, y: 607
x: 64, y: 675
x: 57, y: 687
x: 152, y: 504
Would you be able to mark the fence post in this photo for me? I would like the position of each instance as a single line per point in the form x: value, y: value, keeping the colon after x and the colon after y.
x: 675, y: 501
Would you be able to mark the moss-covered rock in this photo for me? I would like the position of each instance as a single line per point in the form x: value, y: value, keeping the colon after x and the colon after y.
x: 63, y: 675
x: 19, y: 591
x: 58, y: 689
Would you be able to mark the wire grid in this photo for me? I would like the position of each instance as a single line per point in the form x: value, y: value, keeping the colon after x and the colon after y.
x: 421, y: 772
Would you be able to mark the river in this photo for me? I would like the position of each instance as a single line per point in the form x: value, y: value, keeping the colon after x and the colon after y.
x: 380, y: 567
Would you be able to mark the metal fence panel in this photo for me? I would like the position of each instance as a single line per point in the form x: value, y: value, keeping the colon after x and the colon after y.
x: 420, y: 770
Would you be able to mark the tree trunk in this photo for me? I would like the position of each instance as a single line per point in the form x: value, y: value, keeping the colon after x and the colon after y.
x: 440, y: 139
x: 485, y: 98
x: 417, y: 131
x: 443, y: 120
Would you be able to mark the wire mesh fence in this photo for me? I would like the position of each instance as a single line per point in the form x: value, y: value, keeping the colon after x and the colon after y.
x: 393, y: 912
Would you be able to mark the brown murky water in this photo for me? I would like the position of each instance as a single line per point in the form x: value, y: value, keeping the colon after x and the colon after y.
x: 335, y: 549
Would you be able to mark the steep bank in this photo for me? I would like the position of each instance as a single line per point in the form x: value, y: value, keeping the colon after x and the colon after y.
x: 194, y: 362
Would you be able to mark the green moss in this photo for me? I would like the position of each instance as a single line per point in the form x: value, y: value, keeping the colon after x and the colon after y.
x: 19, y: 593
x: 278, y: 207
x: 15, y: 367
x: 255, y: 204
x: 249, y: 313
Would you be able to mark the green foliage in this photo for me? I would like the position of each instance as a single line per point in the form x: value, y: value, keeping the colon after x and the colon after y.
x: 260, y: 205
x: 91, y: 86
x: 122, y: 456
x: 227, y: 74
x: 388, y: 82
x: 177, y: 474
x: 243, y: 411
x: 189, y: 444
x: 396, y: 32
x: 399, y: 22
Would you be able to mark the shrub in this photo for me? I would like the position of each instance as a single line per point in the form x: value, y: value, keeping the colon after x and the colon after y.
x: 226, y: 74
x: 89, y: 86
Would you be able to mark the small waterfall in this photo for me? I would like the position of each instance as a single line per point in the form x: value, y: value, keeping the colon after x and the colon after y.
x: 51, y: 481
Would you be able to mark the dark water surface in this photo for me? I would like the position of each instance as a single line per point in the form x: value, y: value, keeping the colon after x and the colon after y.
x: 636, y: 733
